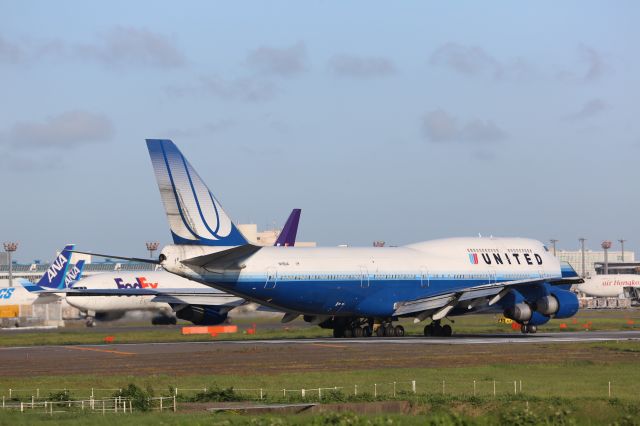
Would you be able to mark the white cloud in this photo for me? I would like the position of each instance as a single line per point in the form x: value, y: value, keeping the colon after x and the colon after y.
x: 284, y: 62
x: 361, y: 66
x: 243, y: 89
x: 440, y: 126
x: 133, y: 46
x: 69, y: 129
x: 589, y: 109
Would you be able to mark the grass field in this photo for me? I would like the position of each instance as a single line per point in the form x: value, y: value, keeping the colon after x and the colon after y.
x: 271, y: 328
x: 571, y: 388
x: 553, y: 393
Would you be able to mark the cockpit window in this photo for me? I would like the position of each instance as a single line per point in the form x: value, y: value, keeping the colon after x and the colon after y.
x: 546, y: 248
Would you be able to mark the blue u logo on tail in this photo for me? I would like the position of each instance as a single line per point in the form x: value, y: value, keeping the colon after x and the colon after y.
x: 195, y: 216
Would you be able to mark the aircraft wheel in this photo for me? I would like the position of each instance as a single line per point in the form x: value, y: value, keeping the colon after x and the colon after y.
x: 532, y: 328
x: 366, y: 331
x: 446, y: 330
x: 428, y: 330
x: 399, y: 331
x: 348, y: 333
x: 524, y: 328
x: 436, y: 330
x: 380, y: 331
x: 357, y: 332
x: 390, y: 331
x: 338, y: 332
x: 90, y: 322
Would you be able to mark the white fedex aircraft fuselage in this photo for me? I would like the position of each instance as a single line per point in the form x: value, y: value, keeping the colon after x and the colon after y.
x: 167, y: 288
x: 609, y: 285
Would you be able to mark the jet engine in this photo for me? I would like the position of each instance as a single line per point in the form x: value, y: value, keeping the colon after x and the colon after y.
x: 201, y: 315
x: 560, y: 304
x: 524, y: 314
x: 520, y: 312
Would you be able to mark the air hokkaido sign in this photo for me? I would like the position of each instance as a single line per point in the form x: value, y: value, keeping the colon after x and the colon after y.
x: 494, y: 257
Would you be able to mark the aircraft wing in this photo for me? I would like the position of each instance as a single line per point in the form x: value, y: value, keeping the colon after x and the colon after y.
x: 441, y: 304
x: 202, y: 299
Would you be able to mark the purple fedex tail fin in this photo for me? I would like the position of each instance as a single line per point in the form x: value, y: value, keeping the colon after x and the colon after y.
x: 288, y: 235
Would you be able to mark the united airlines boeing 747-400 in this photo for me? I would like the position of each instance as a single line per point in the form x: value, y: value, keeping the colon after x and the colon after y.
x: 357, y: 291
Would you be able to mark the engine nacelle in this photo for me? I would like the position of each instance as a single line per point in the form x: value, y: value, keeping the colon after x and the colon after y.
x: 201, y: 315
x: 520, y: 312
x: 538, y: 319
x: 568, y: 303
x: 547, y: 305
x: 560, y: 304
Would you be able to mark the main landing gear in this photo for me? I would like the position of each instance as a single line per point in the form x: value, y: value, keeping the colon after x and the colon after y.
x: 389, y: 330
x: 367, y: 329
x: 435, y: 329
x: 528, y: 329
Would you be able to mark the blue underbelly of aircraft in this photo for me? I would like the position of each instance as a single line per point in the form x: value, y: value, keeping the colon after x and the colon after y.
x: 346, y: 298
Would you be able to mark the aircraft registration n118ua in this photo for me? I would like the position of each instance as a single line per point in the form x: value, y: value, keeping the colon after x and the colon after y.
x: 357, y: 291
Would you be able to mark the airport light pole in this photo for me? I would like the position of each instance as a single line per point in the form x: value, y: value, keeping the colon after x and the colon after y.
x: 10, y: 247
x: 553, y: 244
x: 152, y: 246
x: 621, y: 241
x: 606, y: 245
x: 582, y: 240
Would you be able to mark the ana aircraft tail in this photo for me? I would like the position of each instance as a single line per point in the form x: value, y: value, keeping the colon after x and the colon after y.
x: 288, y: 235
x: 74, y: 274
x: 54, y: 277
x: 195, y: 215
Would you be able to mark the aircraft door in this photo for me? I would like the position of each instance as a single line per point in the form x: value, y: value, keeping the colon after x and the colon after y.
x: 272, y: 278
x: 424, y: 277
x: 364, y: 277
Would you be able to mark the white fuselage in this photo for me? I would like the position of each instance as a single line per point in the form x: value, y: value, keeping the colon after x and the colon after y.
x: 608, y: 285
x: 18, y: 295
x: 183, y: 291
x: 367, y: 280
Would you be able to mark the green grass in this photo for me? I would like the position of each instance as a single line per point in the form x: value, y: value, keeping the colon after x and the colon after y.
x: 566, y: 378
x: 271, y: 328
x: 427, y: 410
x: 572, y: 391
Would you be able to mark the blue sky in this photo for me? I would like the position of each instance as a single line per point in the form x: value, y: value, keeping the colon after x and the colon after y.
x: 397, y: 122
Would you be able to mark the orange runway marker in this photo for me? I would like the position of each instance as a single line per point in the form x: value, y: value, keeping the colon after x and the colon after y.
x: 107, y: 351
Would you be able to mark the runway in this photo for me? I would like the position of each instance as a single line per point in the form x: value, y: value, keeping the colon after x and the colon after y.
x: 277, y: 356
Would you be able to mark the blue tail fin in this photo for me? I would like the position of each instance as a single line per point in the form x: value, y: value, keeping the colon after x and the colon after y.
x: 74, y: 273
x: 54, y: 277
x: 195, y: 215
x: 288, y: 235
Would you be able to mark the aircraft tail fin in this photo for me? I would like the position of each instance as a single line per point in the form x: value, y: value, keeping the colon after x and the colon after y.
x: 54, y: 277
x: 74, y: 274
x: 195, y: 215
x: 288, y: 235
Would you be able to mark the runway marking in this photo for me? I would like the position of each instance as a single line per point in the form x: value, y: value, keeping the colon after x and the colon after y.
x: 326, y: 345
x: 108, y: 351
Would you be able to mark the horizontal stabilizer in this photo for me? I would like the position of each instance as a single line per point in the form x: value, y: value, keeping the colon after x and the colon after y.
x: 221, y: 260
